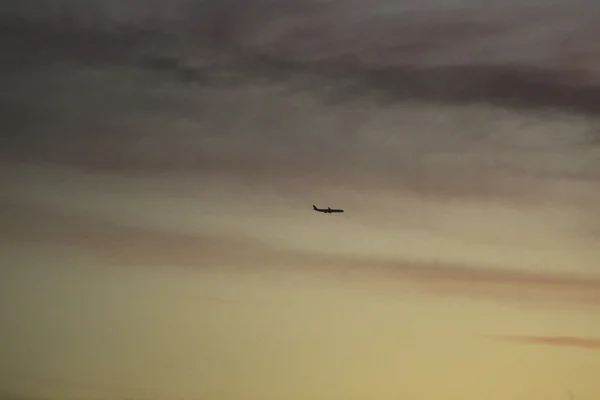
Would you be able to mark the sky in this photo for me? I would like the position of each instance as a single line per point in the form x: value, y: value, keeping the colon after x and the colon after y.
x: 159, y: 163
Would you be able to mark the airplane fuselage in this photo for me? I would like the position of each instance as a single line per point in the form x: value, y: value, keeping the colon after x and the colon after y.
x: 328, y: 210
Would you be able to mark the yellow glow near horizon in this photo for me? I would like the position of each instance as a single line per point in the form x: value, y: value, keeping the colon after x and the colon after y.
x: 209, y: 331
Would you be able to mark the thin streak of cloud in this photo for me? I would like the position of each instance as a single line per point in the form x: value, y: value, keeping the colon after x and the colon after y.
x: 566, y: 341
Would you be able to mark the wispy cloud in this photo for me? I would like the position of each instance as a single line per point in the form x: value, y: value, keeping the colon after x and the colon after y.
x: 567, y: 341
x: 149, y: 246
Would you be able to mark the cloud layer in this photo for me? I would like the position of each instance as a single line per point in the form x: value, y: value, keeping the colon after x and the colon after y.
x: 118, y: 244
x: 291, y: 103
x: 381, y: 32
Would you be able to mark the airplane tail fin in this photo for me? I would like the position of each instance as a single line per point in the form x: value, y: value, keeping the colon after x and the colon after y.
x: 314, y: 207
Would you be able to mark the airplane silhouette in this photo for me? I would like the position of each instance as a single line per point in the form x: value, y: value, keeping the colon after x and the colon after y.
x: 328, y: 210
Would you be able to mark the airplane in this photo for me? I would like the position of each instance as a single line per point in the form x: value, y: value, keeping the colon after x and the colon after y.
x: 328, y: 210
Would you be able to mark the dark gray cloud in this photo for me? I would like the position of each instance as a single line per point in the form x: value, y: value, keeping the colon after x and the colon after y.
x: 130, y: 119
x: 426, y: 31
x: 440, y: 53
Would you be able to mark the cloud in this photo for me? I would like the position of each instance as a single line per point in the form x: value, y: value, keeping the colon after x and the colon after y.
x: 566, y: 341
x: 111, y: 242
x: 119, y: 243
x: 309, y: 87
x: 291, y: 108
x: 380, y: 32
x: 112, y: 121
x: 461, y: 53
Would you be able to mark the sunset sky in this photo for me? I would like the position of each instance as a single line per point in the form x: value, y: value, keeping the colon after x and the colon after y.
x: 159, y: 163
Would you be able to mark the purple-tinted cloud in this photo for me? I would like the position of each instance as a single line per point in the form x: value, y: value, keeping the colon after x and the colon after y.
x: 145, y: 246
